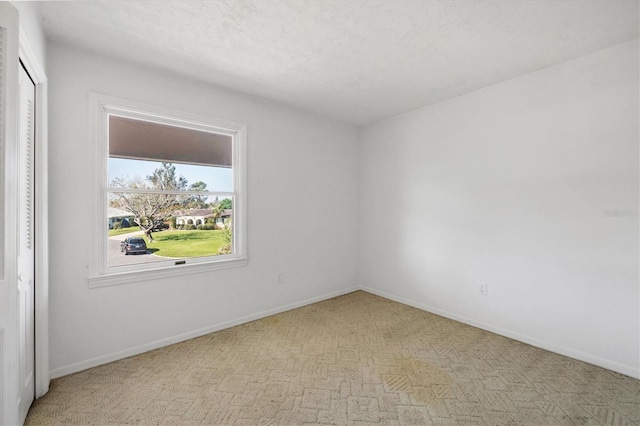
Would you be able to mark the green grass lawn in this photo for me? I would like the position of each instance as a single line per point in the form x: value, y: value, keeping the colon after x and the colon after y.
x: 185, y: 243
x: 113, y: 232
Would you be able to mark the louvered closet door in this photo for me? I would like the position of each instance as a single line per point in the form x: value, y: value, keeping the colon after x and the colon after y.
x: 26, y: 264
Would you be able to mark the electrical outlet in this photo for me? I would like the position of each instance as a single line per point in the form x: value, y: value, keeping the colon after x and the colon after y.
x: 482, y: 290
x: 279, y: 278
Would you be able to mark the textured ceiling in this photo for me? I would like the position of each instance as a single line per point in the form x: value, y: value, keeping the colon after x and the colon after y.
x: 358, y: 61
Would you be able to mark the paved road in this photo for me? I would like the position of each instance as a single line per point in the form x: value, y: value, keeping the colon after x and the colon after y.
x: 118, y: 258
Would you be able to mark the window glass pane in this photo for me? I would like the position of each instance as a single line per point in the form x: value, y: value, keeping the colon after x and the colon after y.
x: 171, y: 229
x: 140, y: 174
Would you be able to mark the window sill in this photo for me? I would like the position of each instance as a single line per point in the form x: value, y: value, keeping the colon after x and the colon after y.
x: 132, y: 277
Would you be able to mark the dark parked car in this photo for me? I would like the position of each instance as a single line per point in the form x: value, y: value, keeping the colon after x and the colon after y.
x: 160, y: 226
x: 133, y: 245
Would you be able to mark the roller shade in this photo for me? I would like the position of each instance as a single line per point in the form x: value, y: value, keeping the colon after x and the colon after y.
x: 138, y: 139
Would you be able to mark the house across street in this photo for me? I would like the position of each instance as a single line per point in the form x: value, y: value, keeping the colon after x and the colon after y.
x: 200, y: 216
x: 116, y: 215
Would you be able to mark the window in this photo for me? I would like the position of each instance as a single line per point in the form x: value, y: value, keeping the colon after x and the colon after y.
x: 169, y: 192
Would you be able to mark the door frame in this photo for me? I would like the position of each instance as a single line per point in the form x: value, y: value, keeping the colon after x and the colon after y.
x: 9, y: 395
x: 16, y: 45
x: 41, y: 322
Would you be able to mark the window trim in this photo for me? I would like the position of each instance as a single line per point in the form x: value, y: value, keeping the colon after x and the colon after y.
x: 100, y: 106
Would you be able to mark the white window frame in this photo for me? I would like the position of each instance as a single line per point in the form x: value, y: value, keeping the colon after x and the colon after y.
x: 101, y: 275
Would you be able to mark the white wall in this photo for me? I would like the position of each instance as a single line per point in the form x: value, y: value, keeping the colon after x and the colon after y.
x: 302, y: 210
x: 510, y: 186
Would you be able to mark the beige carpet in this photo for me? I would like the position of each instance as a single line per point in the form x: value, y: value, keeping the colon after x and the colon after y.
x: 355, y: 359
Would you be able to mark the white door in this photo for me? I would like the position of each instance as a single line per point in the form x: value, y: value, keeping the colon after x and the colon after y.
x: 26, y: 264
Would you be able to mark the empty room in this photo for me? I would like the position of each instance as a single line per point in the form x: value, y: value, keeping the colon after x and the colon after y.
x: 320, y: 212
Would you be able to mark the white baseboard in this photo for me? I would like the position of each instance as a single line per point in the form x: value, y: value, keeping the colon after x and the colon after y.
x: 137, y: 350
x: 580, y: 356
